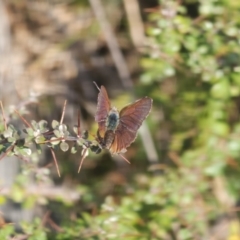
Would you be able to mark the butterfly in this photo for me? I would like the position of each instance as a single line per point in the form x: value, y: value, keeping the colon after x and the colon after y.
x: 117, y: 130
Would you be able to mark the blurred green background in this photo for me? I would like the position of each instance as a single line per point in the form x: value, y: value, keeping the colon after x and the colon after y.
x: 184, y: 178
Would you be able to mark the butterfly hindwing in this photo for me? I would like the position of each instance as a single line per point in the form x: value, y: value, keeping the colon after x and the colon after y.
x: 103, y: 107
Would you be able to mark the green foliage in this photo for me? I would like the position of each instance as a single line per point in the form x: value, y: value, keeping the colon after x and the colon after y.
x: 192, y: 71
x: 6, y: 231
x: 35, y: 230
x: 13, y: 142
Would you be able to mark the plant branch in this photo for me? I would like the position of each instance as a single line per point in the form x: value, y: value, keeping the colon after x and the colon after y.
x: 3, y: 116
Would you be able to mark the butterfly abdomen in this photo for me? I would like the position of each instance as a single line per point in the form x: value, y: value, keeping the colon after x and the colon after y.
x: 108, y: 139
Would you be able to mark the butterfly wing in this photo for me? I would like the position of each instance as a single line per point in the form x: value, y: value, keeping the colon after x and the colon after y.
x: 131, y: 118
x: 103, y: 107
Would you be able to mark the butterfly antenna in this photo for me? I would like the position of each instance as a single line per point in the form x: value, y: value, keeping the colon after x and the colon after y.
x: 124, y: 158
x: 96, y: 86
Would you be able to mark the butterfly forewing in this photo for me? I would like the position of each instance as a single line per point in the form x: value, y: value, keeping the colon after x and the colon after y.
x: 131, y: 118
x: 134, y: 114
x: 103, y: 107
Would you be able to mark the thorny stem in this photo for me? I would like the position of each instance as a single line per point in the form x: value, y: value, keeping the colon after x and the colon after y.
x: 83, y: 157
x: 78, y: 129
x: 63, y: 112
x: 55, y: 161
x: 47, y: 135
x: 86, y: 143
x: 24, y: 120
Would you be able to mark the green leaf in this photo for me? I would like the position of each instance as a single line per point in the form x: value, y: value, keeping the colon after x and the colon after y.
x: 43, y: 125
x: 11, y: 139
x: 64, y: 146
x: 20, y: 142
x: 85, y: 134
x: 6, y: 231
x: 57, y: 133
x: 8, y: 133
x: 55, y: 124
x: 40, y: 139
x: 220, y: 128
x: 55, y: 141
x: 215, y: 169
x: 34, y: 124
x: 30, y: 132
x: 25, y: 151
x: 62, y: 128
x: 73, y: 150
x: 66, y: 134
x: 17, y: 193
x: 75, y: 130
x: 221, y: 90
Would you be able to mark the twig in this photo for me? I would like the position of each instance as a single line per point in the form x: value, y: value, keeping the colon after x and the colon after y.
x: 79, y: 125
x: 3, y: 116
x: 82, y: 159
x: 148, y: 143
x: 175, y: 158
x: 45, y: 218
x: 53, y: 140
x: 54, y: 225
x: 112, y: 44
x: 22, y: 158
x: 55, y: 161
x: 135, y: 22
x: 8, y: 150
x: 63, y: 112
x: 67, y: 194
x: 6, y: 224
x: 24, y: 120
x: 21, y: 237
x: 46, y: 166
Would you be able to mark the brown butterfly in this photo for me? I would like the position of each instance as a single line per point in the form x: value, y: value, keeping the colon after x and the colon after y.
x: 117, y: 130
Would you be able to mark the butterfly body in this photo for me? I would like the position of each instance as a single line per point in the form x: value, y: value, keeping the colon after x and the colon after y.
x: 117, y: 130
x: 107, y: 140
x: 112, y: 119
